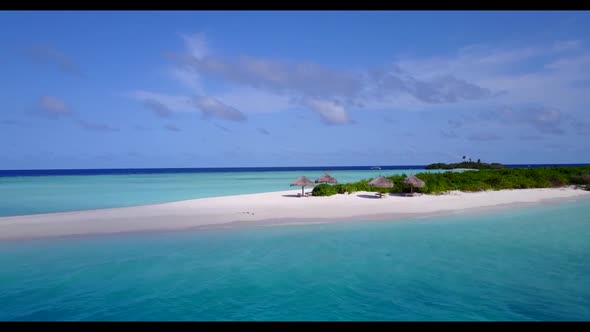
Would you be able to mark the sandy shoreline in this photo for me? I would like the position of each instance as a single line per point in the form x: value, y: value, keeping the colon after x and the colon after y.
x: 265, y: 208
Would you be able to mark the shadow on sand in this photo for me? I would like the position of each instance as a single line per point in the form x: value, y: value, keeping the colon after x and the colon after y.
x: 368, y: 196
x: 298, y: 196
x: 396, y: 194
x: 384, y: 195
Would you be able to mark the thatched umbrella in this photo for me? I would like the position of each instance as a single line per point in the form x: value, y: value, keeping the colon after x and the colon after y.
x: 302, y: 182
x: 413, y: 181
x: 326, y: 179
x: 380, y: 182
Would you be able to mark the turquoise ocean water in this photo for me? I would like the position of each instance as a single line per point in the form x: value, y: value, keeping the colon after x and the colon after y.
x: 21, y: 195
x: 527, y: 263
x: 519, y: 264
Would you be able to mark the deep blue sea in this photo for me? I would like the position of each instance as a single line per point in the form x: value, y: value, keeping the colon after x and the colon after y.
x: 519, y: 264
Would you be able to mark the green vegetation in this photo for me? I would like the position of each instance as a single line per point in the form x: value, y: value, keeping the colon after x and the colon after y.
x: 329, y: 190
x: 484, y: 179
x: 581, y: 179
x: 324, y: 190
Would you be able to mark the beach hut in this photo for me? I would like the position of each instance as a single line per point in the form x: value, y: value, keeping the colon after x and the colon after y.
x: 380, y: 182
x: 326, y: 179
x: 302, y: 182
x: 414, y: 182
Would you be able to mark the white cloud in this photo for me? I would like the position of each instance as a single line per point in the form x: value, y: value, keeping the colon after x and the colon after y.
x: 184, y: 74
x: 251, y: 100
x: 211, y: 107
x: 477, y: 63
x: 57, y: 108
x: 49, y: 55
x: 544, y: 120
x: 330, y: 112
x: 304, y: 78
x: 196, y: 45
x: 261, y: 84
x: 54, y: 106
x: 163, y: 104
x: 444, y: 88
x: 188, y: 78
x: 577, y: 65
x: 544, y: 75
x: 473, y: 77
x: 567, y: 45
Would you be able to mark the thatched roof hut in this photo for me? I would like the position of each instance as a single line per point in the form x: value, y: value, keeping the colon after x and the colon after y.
x: 414, y: 182
x: 380, y: 182
x: 326, y: 179
x: 302, y: 182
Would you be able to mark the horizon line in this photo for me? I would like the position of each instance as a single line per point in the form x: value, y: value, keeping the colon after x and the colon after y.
x: 255, y: 167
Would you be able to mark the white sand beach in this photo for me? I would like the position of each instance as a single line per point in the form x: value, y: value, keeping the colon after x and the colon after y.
x: 265, y: 208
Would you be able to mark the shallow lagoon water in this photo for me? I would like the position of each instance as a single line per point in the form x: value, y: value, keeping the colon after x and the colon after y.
x: 517, y: 264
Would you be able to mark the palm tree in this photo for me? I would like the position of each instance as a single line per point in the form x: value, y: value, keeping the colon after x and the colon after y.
x: 463, y: 158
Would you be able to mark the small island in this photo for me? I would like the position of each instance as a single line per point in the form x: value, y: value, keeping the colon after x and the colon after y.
x: 466, y: 165
x: 438, y: 192
x: 485, y: 179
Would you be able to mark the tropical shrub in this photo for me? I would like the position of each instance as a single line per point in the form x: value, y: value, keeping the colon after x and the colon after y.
x: 484, y: 179
x: 324, y: 190
x: 582, y: 179
x: 348, y: 187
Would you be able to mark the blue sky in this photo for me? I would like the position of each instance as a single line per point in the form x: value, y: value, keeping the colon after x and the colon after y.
x: 221, y: 89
